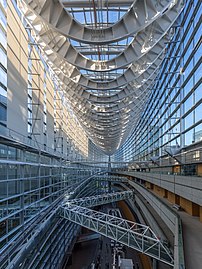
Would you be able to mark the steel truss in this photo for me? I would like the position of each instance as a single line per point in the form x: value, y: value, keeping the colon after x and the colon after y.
x: 53, y: 13
x: 25, y: 242
x: 82, y: 185
x: 111, y: 178
x: 100, y: 199
x: 107, y: 100
x: 134, y: 235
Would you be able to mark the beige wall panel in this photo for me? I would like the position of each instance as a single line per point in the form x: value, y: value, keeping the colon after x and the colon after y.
x: 13, y: 43
x: 148, y: 185
x: 50, y: 112
x: 17, y: 101
x: 17, y: 75
x: 12, y: 59
x: 171, y: 197
x: 159, y: 191
x: 13, y: 19
x: 67, y: 125
x: 23, y: 72
x: 14, y: 14
x: 37, y: 97
x: 201, y: 213
x: 191, y: 208
x: 199, y: 170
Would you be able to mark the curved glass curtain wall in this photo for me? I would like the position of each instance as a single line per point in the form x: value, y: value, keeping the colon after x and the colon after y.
x: 3, y: 63
x: 173, y: 112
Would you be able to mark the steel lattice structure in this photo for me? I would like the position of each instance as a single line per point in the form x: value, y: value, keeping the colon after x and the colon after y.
x: 134, y: 235
x: 110, y: 178
x: 106, y: 67
x: 100, y: 199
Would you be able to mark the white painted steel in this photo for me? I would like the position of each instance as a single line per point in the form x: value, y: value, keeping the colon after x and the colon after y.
x: 134, y: 235
x: 99, y: 199
x: 107, y: 104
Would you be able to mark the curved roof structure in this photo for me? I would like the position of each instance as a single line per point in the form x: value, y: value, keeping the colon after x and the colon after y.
x: 107, y: 55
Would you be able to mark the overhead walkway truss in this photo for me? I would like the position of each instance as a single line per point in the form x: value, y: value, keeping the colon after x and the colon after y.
x: 134, y: 235
x: 100, y: 199
x: 111, y: 178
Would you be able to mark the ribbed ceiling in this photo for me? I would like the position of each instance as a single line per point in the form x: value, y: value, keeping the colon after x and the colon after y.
x: 106, y: 54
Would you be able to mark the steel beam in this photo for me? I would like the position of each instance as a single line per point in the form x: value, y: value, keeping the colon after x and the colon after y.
x: 134, y: 235
x: 99, y: 199
x: 93, y: 100
x: 54, y: 14
x: 111, y: 178
x: 88, y: 4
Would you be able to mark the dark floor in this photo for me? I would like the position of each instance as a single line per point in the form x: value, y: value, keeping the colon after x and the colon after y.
x: 84, y: 254
x: 99, y: 252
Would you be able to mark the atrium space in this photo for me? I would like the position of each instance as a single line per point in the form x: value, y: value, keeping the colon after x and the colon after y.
x: 100, y: 134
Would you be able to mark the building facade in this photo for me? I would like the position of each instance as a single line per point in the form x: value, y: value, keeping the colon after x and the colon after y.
x: 172, y: 116
x: 40, y: 135
x: 47, y: 153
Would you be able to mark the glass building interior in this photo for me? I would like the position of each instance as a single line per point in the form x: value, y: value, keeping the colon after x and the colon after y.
x: 100, y: 134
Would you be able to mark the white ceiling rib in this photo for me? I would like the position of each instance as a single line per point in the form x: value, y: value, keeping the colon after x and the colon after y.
x: 107, y: 55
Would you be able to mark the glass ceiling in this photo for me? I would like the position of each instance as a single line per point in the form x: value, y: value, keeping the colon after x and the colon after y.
x: 106, y: 52
x: 99, y: 14
x: 96, y: 13
x: 105, y: 74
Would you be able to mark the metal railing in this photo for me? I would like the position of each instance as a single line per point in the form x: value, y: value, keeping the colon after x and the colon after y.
x: 183, y: 158
x: 111, y: 178
x: 24, y: 140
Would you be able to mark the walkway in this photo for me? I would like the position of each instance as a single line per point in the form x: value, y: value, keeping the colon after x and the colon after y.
x: 192, y: 234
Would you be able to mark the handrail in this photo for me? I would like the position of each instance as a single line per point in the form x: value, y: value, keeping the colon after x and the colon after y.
x: 190, y: 156
x: 179, y: 261
x: 25, y: 141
